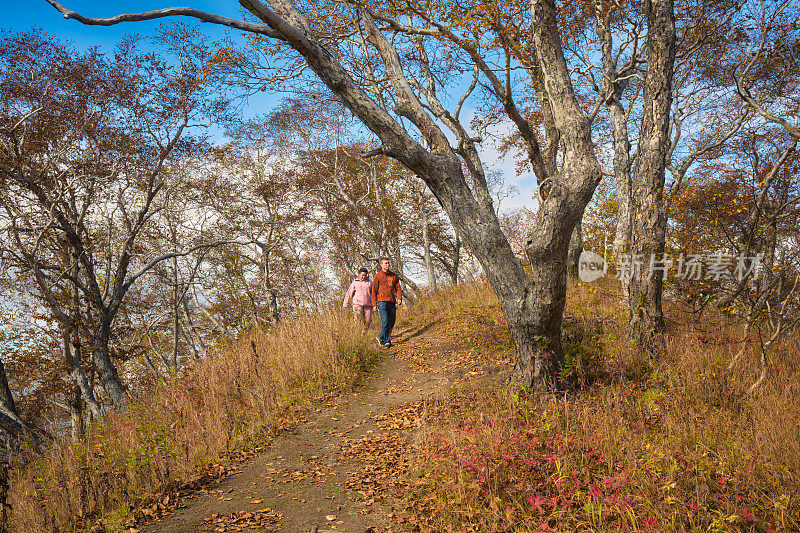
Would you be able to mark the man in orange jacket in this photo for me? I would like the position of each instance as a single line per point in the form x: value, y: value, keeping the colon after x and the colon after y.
x: 386, y: 296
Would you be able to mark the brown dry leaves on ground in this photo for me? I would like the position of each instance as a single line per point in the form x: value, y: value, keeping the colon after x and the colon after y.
x: 405, y: 417
x: 385, y: 463
x: 262, y: 519
x: 317, y: 472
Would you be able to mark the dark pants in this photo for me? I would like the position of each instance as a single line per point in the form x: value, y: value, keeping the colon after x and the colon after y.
x: 388, y: 313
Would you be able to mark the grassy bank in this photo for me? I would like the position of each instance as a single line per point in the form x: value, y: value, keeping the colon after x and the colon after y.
x: 641, y: 445
x: 135, y: 463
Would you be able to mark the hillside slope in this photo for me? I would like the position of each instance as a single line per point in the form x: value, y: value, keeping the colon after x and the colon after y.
x: 433, y: 440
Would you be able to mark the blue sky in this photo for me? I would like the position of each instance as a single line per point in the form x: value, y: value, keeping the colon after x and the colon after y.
x: 22, y: 15
x: 25, y: 14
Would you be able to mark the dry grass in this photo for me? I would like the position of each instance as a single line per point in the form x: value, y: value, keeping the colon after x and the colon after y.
x: 189, y: 431
x: 470, y: 314
x: 673, y: 445
x: 447, y: 305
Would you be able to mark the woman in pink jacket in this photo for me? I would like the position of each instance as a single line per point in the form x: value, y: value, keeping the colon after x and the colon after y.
x: 360, y: 292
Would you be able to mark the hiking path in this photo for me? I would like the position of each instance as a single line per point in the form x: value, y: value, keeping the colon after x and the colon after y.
x: 342, y: 468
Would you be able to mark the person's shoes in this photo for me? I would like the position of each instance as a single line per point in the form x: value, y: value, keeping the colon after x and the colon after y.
x: 388, y: 345
x: 377, y: 338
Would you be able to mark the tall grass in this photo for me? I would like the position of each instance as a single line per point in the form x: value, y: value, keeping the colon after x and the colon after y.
x: 228, y: 403
x: 641, y: 445
x: 447, y: 305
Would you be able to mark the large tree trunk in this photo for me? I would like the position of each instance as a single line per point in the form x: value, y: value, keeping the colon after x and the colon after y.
x: 102, y: 360
x: 533, y: 308
x: 649, y: 218
x: 536, y: 327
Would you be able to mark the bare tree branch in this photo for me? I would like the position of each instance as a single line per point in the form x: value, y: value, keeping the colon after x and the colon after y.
x: 261, y: 29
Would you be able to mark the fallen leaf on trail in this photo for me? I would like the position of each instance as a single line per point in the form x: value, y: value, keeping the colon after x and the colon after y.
x: 263, y: 519
x: 404, y: 417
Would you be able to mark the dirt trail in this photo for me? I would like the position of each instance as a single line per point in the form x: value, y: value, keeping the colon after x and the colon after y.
x: 335, y: 470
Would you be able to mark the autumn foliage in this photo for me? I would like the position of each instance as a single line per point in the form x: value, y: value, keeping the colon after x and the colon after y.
x: 673, y: 445
x: 166, y: 262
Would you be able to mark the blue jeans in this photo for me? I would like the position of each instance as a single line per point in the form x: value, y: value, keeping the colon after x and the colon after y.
x: 388, y: 313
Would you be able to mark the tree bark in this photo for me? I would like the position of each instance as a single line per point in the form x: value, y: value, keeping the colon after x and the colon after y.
x: 76, y: 414
x: 574, y: 253
x: 622, y: 176
x: 274, y: 311
x: 537, y: 325
x: 10, y: 420
x: 456, y: 258
x: 5, y: 507
x: 70, y: 347
x: 612, y: 93
x: 6, y: 398
x: 648, y: 213
x: 102, y: 360
x: 426, y: 244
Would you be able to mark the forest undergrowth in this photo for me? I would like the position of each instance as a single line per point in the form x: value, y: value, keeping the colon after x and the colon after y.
x: 674, y: 444
x: 135, y: 464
